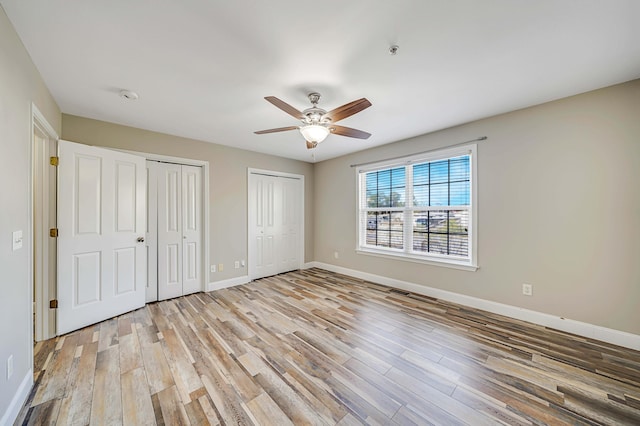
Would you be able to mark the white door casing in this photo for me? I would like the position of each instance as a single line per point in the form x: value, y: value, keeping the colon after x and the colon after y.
x: 101, y: 217
x: 45, y: 145
x: 275, y: 226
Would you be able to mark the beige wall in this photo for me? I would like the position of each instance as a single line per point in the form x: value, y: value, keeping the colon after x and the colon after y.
x: 227, y: 181
x: 20, y: 85
x: 558, y: 204
x: 559, y: 208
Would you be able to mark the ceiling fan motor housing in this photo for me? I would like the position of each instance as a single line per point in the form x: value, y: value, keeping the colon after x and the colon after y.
x: 314, y: 115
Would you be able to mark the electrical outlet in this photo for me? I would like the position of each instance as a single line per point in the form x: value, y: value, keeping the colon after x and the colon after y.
x: 213, y: 268
x: 220, y: 267
x: 336, y: 255
x: 527, y: 289
x: 236, y: 264
x: 9, y: 367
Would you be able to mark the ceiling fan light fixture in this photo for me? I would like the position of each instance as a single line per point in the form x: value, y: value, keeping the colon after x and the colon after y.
x: 314, y: 132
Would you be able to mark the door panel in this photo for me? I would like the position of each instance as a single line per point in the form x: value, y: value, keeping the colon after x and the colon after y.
x: 125, y: 273
x: 125, y: 196
x: 151, y: 237
x: 87, y: 282
x: 191, y: 229
x: 87, y: 184
x: 291, y: 190
x: 169, y: 231
x: 262, y: 192
x: 101, y: 213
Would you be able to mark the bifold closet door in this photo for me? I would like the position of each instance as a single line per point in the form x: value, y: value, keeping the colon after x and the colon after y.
x: 275, y: 224
x: 179, y: 230
x: 264, y: 225
x: 191, y: 229
x: 151, y: 237
x: 290, y: 224
x: 169, y: 231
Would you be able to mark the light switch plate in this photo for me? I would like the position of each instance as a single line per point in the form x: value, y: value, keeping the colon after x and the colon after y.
x: 16, y: 238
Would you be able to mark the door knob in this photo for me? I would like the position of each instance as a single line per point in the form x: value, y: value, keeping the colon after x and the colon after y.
x: 140, y: 239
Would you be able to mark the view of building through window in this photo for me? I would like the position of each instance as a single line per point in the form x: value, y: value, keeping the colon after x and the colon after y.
x: 422, y: 208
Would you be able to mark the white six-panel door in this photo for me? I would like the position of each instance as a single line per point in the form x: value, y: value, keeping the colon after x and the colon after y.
x: 275, y: 224
x: 101, y: 225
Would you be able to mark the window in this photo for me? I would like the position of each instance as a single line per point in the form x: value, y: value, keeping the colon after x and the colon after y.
x: 420, y: 208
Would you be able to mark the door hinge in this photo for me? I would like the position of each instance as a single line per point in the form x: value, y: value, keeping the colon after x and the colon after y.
x: 54, y: 161
x: 53, y: 304
x: 53, y: 232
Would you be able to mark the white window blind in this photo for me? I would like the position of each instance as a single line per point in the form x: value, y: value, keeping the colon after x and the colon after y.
x: 420, y: 208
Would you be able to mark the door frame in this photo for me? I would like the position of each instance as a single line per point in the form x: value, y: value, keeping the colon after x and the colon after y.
x: 250, y: 204
x: 43, y: 316
x: 205, y: 200
x: 42, y: 309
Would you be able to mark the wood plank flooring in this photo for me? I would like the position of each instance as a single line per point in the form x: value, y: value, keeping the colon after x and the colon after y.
x: 314, y: 347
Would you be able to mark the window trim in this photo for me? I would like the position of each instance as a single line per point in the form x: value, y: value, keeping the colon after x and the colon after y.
x: 430, y: 258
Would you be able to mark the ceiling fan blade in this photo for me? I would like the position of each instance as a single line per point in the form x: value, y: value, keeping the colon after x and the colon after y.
x: 311, y: 145
x: 279, y: 129
x: 349, y: 132
x: 347, y: 110
x: 285, y: 107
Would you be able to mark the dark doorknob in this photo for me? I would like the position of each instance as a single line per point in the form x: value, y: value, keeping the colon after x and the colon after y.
x: 140, y: 239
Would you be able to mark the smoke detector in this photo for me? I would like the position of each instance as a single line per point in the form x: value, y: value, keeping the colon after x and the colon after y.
x: 129, y: 95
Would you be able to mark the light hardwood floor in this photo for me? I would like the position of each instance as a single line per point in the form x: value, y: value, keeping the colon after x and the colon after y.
x: 314, y: 347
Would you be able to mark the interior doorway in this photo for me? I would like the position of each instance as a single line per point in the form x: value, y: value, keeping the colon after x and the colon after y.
x: 45, y: 146
x: 44, y: 183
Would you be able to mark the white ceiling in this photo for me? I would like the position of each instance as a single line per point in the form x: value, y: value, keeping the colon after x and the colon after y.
x: 202, y: 67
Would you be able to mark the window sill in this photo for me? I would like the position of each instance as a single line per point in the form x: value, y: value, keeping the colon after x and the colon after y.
x: 447, y: 263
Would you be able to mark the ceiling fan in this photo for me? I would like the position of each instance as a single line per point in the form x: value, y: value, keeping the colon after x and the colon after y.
x: 318, y: 123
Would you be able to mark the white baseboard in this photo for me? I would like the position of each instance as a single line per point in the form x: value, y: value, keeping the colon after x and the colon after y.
x: 18, y: 400
x: 231, y: 282
x: 616, y: 337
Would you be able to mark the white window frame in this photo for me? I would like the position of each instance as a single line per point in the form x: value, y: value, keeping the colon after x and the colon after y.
x: 468, y: 263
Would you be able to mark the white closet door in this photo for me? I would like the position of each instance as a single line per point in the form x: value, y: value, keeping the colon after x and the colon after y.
x: 101, y: 223
x: 151, y: 237
x: 275, y: 224
x: 263, y: 225
x: 169, y: 231
x: 191, y: 229
x: 289, y: 252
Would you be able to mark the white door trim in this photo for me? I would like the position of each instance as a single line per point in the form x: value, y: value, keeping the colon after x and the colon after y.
x: 250, y: 253
x: 44, y: 329
x: 205, y: 200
